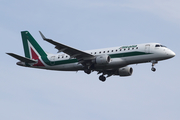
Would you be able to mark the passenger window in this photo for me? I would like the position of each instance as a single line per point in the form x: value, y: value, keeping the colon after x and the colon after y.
x: 104, y: 51
x: 116, y: 50
x: 132, y: 48
x: 112, y: 50
x: 95, y: 53
x: 136, y: 47
x: 108, y: 51
x: 100, y: 52
x: 128, y: 48
x: 124, y: 49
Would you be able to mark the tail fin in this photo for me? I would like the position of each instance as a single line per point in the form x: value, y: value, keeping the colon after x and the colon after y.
x: 32, y: 49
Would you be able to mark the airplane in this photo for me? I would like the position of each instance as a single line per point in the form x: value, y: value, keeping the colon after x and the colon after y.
x: 107, y: 62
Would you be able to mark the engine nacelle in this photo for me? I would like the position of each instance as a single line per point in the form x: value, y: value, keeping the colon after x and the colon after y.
x: 102, y: 59
x: 125, y: 71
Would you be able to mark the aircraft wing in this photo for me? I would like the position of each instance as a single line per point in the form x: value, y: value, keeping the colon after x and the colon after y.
x: 74, y: 53
x: 22, y: 59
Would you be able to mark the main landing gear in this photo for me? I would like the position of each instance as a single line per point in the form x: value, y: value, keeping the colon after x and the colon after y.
x: 88, y: 68
x: 88, y: 71
x: 153, y: 63
x: 101, y: 77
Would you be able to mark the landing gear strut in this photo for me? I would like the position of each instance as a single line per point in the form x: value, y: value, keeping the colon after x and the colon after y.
x: 102, y: 78
x: 88, y: 68
x: 153, y: 63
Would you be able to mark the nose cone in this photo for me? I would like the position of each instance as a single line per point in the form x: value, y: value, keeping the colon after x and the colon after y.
x: 171, y: 53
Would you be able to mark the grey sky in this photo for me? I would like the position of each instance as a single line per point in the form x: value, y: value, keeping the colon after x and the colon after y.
x: 27, y: 94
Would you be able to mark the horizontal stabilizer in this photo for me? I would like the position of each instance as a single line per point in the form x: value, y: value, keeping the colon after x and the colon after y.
x: 22, y: 59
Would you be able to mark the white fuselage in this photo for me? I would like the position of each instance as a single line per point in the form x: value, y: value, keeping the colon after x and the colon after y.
x: 120, y: 56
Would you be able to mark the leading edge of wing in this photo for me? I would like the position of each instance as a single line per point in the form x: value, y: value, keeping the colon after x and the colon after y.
x: 78, y: 54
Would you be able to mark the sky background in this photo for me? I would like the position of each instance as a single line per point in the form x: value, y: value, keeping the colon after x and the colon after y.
x: 33, y: 94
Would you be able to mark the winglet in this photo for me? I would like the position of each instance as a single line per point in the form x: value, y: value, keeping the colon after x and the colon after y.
x: 43, y: 37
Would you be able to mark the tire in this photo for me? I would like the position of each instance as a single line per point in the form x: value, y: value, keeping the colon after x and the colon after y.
x: 153, y: 69
x: 102, y: 78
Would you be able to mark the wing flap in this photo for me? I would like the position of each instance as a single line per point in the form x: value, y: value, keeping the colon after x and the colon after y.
x: 22, y: 59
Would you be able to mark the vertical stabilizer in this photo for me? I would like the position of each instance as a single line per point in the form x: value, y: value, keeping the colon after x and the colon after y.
x: 32, y: 49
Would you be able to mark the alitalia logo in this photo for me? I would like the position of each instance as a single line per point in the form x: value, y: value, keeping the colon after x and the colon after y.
x: 34, y: 55
x: 131, y: 46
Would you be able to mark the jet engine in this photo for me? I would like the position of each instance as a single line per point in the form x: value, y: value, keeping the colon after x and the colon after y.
x: 102, y: 59
x: 125, y: 71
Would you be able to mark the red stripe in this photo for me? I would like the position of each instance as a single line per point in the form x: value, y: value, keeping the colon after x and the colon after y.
x: 35, y: 57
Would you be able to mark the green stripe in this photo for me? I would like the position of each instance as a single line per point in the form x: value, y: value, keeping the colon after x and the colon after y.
x: 61, y: 62
x: 25, y: 44
x: 128, y: 54
x: 118, y: 55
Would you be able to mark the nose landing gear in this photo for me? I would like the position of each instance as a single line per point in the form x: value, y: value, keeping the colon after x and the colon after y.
x: 102, y: 78
x: 153, y: 69
x: 153, y: 63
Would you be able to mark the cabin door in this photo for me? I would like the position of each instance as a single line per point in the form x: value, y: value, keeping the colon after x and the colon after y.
x: 147, y: 48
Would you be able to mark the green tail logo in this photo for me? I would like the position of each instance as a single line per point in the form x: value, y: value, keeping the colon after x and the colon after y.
x: 32, y: 49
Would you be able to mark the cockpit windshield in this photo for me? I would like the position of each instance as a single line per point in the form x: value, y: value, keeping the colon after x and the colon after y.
x: 157, y: 45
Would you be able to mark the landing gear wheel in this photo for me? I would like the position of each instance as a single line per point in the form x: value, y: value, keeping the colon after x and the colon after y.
x: 88, y: 71
x: 102, y: 78
x: 153, y: 63
x: 153, y: 69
